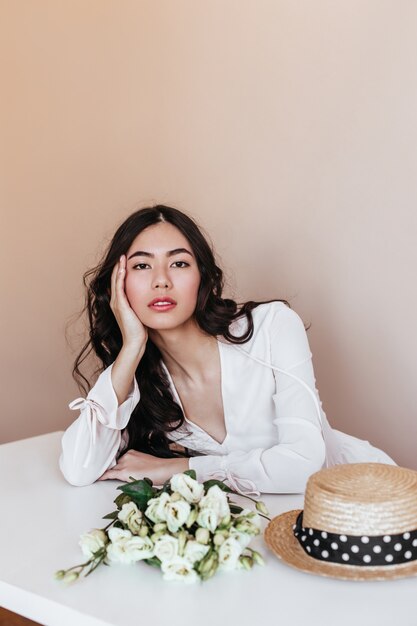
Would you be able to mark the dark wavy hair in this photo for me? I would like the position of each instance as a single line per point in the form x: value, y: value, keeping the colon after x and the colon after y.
x: 157, y: 413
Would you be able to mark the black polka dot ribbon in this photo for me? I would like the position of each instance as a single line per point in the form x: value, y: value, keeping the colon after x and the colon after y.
x: 364, y: 550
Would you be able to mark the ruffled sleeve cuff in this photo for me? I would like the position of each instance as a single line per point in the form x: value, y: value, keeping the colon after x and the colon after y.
x: 103, y: 404
x: 215, y: 467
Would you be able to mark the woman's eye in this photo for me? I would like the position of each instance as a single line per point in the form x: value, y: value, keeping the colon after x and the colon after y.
x: 141, y: 266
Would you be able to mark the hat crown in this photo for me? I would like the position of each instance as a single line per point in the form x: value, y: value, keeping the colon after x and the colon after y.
x: 362, y: 498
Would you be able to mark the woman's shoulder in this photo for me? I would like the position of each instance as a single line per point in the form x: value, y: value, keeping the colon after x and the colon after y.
x: 269, y: 316
x: 274, y: 313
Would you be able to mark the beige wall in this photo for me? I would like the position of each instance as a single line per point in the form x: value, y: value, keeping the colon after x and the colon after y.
x: 287, y: 128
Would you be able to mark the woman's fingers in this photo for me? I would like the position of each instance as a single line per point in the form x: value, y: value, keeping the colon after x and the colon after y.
x: 118, y: 279
x: 110, y: 474
x: 113, y: 283
x: 116, y: 474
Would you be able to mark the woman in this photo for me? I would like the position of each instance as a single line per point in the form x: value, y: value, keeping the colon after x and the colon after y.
x: 190, y: 380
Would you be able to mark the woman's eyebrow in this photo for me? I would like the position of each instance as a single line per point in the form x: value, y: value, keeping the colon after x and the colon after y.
x: 168, y: 254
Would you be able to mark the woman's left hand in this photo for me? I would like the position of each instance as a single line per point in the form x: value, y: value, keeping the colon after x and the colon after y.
x: 139, y: 464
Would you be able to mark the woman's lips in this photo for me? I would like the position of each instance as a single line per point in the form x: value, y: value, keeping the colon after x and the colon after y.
x: 162, y: 306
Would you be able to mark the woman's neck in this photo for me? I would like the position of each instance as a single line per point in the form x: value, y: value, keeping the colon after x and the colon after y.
x: 187, y: 351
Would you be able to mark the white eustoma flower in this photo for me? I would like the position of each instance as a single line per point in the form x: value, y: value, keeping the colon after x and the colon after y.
x: 248, y: 522
x: 229, y: 553
x: 126, y: 548
x: 156, y: 508
x: 118, y: 534
x: 242, y: 538
x: 139, y: 548
x: 179, y: 569
x: 177, y: 513
x: 166, y: 548
x: 208, y: 518
x: 92, y: 542
x: 131, y: 516
x: 216, y: 498
x: 213, y: 507
x: 189, y: 488
x: 195, y: 551
x: 252, y: 516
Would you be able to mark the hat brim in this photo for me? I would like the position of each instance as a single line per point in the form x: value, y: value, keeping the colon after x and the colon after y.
x: 279, y: 537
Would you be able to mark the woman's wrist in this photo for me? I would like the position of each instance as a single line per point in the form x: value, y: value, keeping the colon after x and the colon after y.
x: 133, y: 351
x: 179, y: 465
x: 173, y: 466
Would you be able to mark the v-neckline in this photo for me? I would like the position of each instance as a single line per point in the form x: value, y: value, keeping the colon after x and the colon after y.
x: 191, y: 423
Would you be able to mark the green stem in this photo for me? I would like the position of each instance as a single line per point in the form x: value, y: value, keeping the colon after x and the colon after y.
x: 95, y: 565
x: 81, y: 565
x: 253, y: 500
x: 109, y: 524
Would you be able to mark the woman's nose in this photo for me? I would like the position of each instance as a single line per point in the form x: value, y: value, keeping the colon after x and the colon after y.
x: 161, y: 281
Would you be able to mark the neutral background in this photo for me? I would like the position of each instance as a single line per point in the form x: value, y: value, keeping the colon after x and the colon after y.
x: 288, y: 129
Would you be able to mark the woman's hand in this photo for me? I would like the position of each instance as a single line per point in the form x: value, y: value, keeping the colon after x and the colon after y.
x: 134, y: 333
x: 139, y: 464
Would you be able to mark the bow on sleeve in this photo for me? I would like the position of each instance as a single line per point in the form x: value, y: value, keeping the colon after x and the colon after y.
x: 91, y: 411
x: 243, y: 486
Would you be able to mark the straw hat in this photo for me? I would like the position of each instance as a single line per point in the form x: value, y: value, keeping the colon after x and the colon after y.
x: 359, y: 523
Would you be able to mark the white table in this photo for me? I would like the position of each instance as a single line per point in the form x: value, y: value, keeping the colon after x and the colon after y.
x: 42, y: 517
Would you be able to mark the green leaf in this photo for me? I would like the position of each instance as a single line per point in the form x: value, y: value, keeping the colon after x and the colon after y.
x: 191, y: 473
x: 121, y: 499
x: 148, y: 480
x: 118, y: 524
x: 234, y: 508
x: 111, y: 515
x: 166, y: 488
x: 153, y: 561
x: 139, y: 491
x: 209, y: 483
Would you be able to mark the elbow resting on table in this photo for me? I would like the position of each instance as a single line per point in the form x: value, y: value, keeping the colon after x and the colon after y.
x: 297, y: 474
x: 78, y: 477
x: 311, y: 466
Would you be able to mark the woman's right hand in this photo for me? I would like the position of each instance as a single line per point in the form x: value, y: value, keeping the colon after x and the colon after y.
x: 134, y: 333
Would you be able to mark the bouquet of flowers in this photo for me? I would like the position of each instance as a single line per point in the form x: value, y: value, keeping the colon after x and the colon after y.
x: 188, y: 529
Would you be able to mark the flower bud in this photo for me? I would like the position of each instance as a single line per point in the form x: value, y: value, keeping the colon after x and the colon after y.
x: 192, y: 517
x: 225, y: 520
x: 260, y: 506
x: 144, y: 530
x: 182, y: 540
x: 202, y: 535
x: 246, y: 562
x: 160, y: 526
x: 176, y: 496
x: 208, y: 565
x: 257, y: 558
x: 156, y: 536
x: 248, y: 528
x: 71, y: 577
x: 60, y: 574
x: 218, y: 539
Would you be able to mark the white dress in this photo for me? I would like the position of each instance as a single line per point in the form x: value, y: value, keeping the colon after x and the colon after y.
x: 277, y: 432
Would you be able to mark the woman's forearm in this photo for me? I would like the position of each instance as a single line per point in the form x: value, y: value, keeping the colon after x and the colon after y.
x: 174, y: 466
x: 123, y: 371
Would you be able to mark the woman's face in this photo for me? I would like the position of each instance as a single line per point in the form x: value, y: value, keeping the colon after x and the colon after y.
x: 161, y: 265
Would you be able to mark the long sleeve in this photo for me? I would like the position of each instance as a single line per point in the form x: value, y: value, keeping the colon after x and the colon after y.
x: 91, y: 442
x: 299, y: 449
